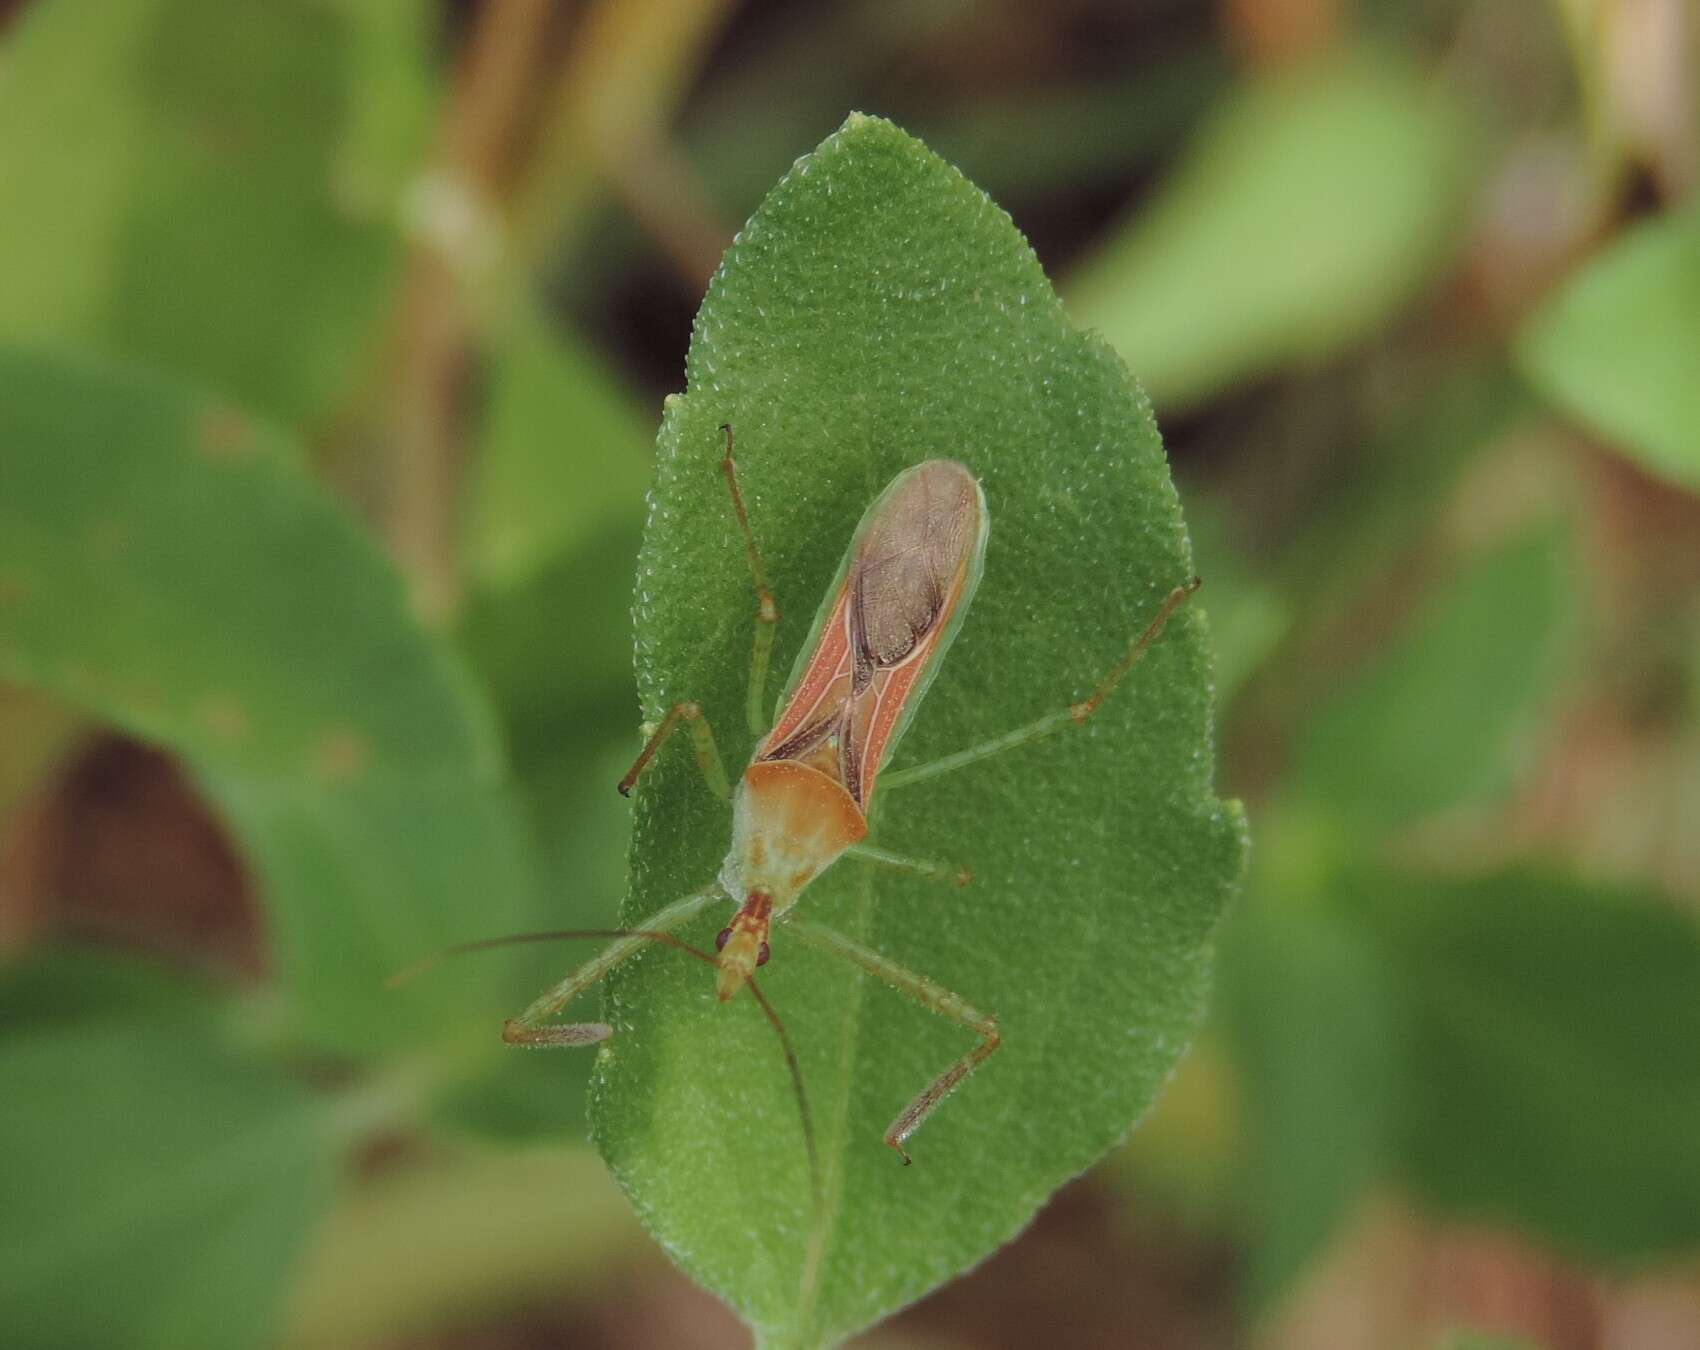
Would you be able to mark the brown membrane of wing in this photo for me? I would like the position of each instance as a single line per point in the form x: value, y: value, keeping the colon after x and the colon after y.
x: 902, y: 584
x: 905, y: 582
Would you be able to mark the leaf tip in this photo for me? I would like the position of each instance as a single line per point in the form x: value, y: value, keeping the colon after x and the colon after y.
x: 859, y: 125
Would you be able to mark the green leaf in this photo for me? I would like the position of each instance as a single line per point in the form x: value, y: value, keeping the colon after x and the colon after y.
x: 1306, y: 1004
x: 161, y: 565
x: 392, y: 93
x: 1554, y: 1034
x: 878, y: 310
x: 73, y: 984
x: 365, y: 879
x: 1309, y: 212
x: 155, y: 1189
x: 562, y: 459
x: 68, y: 84
x: 545, y: 688
x: 1446, y: 715
x: 143, y: 533
x: 174, y: 190
x: 1619, y: 346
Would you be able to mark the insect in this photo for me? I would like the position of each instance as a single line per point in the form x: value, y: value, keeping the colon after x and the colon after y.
x: 879, y: 638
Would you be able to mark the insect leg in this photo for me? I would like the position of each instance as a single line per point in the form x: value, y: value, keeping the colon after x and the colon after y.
x: 1076, y: 714
x: 530, y: 1029
x: 955, y: 876
x: 767, y: 610
x: 929, y: 995
x: 702, y: 736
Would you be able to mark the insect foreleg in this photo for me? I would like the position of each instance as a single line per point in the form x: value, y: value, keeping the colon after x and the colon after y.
x: 767, y: 610
x: 1076, y: 714
x: 945, y: 872
x: 929, y: 995
x: 531, y: 1027
x: 702, y: 739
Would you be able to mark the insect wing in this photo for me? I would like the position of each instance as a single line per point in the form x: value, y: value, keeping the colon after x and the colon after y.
x: 820, y: 684
x: 885, y: 625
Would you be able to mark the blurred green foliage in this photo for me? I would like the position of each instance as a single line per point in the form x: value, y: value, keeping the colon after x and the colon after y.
x: 148, y: 1157
x: 1448, y: 710
x: 1618, y: 346
x: 1306, y: 1005
x: 531, y: 504
x: 1301, y: 219
x: 184, y: 184
x: 347, y: 748
x: 1527, y: 1002
x: 1415, y: 293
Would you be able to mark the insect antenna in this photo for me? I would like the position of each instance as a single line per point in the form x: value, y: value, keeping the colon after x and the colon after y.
x: 430, y: 963
x: 792, y: 1065
x: 797, y: 1086
x: 817, y: 1200
x: 414, y: 971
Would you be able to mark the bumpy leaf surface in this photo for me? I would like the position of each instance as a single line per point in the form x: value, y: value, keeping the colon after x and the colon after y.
x: 876, y: 311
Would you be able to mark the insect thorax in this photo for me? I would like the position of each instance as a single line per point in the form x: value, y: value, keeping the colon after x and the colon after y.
x: 789, y: 823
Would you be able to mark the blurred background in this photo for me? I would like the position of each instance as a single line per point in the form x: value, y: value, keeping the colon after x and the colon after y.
x: 1415, y: 288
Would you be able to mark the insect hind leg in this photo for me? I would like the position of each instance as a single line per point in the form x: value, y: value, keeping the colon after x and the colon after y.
x: 941, y: 872
x: 930, y: 995
x: 1076, y: 714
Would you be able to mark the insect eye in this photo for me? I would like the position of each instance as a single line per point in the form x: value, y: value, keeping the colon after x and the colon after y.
x: 722, y: 938
x: 762, y: 955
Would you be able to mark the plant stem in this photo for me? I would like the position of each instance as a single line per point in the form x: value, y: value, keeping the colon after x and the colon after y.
x: 455, y: 245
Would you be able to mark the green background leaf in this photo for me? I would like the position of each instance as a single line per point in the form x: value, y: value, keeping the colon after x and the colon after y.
x: 65, y: 985
x: 878, y: 310
x: 174, y: 191
x: 562, y: 457
x: 1307, y: 213
x: 1447, y: 714
x: 1541, y: 1094
x: 1306, y: 1005
x: 132, y: 1222
x: 1619, y: 347
x: 250, y: 626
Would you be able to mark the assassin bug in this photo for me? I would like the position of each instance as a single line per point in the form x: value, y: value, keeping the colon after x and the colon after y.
x: 879, y: 638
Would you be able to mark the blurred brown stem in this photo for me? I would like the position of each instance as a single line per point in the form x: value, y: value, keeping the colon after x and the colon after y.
x: 631, y: 63
x: 496, y: 205
x: 657, y: 184
x: 493, y: 91
x: 1281, y: 32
